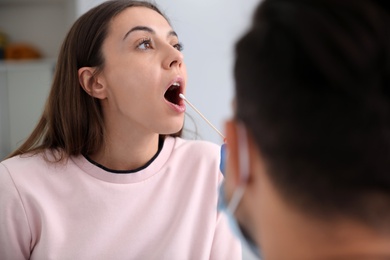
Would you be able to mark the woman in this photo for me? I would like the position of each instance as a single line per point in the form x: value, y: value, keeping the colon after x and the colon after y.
x: 308, y: 172
x: 104, y: 175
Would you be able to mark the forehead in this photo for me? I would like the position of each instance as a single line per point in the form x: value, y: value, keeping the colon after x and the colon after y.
x: 138, y: 16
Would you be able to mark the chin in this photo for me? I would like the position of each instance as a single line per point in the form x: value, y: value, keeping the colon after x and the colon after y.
x: 173, y: 129
x: 175, y: 132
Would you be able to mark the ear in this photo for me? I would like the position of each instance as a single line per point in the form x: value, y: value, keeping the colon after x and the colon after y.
x: 256, y: 162
x: 232, y: 174
x: 90, y: 83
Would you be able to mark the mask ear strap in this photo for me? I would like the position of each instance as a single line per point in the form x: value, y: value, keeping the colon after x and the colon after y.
x: 243, y: 159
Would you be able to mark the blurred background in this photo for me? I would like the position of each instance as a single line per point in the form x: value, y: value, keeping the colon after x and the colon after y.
x: 31, y: 32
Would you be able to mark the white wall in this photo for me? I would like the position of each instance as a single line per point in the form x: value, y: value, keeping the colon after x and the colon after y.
x: 208, y: 30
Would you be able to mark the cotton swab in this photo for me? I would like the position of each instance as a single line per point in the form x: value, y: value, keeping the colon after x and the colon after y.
x: 197, y: 111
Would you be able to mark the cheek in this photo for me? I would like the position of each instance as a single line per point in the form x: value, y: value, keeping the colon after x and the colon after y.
x: 122, y: 95
x: 184, y: 69
x: 126, y: 82
x: 185, y: 73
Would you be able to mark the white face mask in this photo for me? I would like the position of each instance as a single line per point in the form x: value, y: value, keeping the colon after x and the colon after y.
x: 230, y: 208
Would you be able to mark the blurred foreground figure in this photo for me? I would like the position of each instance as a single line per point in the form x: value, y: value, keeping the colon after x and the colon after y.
x: 308, y: 166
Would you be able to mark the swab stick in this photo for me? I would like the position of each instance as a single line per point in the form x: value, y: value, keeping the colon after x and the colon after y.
x: 197, y: 111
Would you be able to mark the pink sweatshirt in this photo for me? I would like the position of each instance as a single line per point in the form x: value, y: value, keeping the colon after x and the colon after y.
x: 76, y: 210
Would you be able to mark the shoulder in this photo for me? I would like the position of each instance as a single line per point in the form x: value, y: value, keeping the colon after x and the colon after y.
x: 25, y: 161
x: 15, y: 173
x: 195, y: 155
x: 196, y: 150
x: 196, y: 147
x: 22, y: 161
x: 30, y: 164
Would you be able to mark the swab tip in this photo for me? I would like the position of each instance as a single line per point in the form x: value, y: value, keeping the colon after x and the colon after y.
x: 182, y: 96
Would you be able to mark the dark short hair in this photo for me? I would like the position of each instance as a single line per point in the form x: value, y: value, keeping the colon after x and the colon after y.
x: 313, y: 88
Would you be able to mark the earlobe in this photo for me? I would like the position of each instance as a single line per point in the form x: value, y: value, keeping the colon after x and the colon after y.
x: 90, y: 84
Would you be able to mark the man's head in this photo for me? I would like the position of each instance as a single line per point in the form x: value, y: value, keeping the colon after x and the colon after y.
x: 313, y: 91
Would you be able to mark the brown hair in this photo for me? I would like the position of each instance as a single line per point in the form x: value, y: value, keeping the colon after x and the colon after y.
x: 72, y: 121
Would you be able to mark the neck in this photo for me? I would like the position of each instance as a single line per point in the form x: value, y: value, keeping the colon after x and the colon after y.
x: 302, y: 236
x: 126, y: 151
x: 335, y: 239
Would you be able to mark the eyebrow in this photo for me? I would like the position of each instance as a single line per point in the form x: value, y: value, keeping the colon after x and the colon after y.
x: 147, y: 29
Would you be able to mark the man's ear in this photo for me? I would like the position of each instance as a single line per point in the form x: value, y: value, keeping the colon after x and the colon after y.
x: 255, y: 157
x: 232, y: 168
x: 90, y: 83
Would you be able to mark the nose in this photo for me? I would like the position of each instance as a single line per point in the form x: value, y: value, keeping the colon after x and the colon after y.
x: 174, y: 58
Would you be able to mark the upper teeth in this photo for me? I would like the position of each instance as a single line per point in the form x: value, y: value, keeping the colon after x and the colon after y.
x: 176, y: 84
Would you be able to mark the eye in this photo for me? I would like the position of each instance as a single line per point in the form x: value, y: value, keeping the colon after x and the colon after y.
x: 178, y: 46
x: 145, y: 44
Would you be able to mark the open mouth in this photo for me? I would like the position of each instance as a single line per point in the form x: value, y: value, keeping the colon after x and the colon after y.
x: 172, y: 94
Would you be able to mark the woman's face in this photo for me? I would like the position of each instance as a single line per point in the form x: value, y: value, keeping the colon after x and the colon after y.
x: 143, y: 73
